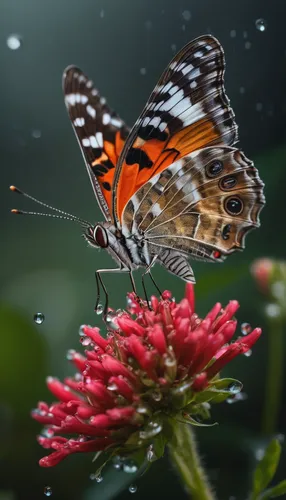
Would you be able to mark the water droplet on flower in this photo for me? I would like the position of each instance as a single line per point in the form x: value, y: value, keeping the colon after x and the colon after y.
x: 130, y: 467
x: 245, y: 328
x: 48, y: 491
x: 248, y: 353
x: 85, y: 340
x: 96, y: 476
x: 258, y: 106
x: 261, y: 24
x: 36, y: 134
x: 132, y: 488
x: 259, y: 453
x: 99, y: 309
x: 112, y: 387
x: 39, y: 318
x: 70, y: 354
x: 273, y: 310
x: 235, y: 387
x: 14, y: 42
x: 48, y: 433
x: 150, y: 455
x: 241, y: 396
x: 151, y: 430
x: 186, y: 15
x: 143, y: 71
x: 233, y: 33
x: 117, y: 462
x: 247, y: 45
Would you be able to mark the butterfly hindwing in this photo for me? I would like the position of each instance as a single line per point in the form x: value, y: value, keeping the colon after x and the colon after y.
x: 202, y: 205
x: 187, y: 110
x: 100, y: 132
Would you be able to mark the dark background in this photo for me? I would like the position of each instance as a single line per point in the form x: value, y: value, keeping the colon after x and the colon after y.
x: 124, y: 46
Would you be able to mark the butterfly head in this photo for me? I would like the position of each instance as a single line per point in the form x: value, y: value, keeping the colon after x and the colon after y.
x: 97, y: 236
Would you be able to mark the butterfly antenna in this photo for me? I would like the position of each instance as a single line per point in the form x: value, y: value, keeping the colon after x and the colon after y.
x: 64, y: 215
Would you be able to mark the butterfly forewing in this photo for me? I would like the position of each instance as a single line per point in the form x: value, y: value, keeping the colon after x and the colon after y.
x: 100, y: 132
x: 187, y: 110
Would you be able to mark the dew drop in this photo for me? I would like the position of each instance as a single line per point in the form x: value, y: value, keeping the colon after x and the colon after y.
x: 272, y: 310
x: 112, y: 387
x: 70, y: 354
x: 99, y: 309
x: 150, y: 455
x: 143, y: 71
x: 157, y: 395
x: 118, y: 463
x: 48, y: 491
x: 96, y: 476
x: 278, y: 289
x: 248, y: 353
x: 132, y: 488
x: 39, y: 318
x: 47, y: 432
x: 130, y: 467
x: 36, y: 134
x: 85, y: 341
x: 14, y: 42
x: 261, y: 24
x: 233, y: 33
x: 235, y: 387
x: 259, y: 453
x: 186, y: 15
x: 245, y: 328
x: 241, y: 396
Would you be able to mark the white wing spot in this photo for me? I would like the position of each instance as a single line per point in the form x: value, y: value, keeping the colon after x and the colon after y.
x: 86, y: 142
x: 84, y: 99
x: 79, y: 122
x: 187, y: 69
x: 162, y: 126
x: 81, y: 78
x: 91, y: 111
x: 94, y: 92
x: 199, y: 53
x: 102, y: 101
x: 155, y: 122
x: 193, y: 84
x: 89, y: 84
x: 116, y: 122
x: 99, y: 139
x: 93, y: 142
x: 156, y: 209
x: 106, y: 118
x: 70, y: 99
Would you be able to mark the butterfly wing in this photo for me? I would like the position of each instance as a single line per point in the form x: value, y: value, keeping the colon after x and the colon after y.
x: 202, y: 206
x: 100, y: 132
x: 187, y: 110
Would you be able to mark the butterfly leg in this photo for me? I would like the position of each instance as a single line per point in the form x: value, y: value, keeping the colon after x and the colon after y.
x: 148, y: 271
x: 99, y: 282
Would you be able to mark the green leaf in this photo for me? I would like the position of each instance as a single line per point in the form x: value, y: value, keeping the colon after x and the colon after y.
x: 159, y: 444
x: 266, y: 468
x: 276, y: 491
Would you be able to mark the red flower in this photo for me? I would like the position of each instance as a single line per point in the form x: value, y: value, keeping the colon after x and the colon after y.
x: 153, y: 363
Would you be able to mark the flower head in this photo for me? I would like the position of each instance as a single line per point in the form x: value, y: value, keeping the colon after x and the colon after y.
x: 159, y: 362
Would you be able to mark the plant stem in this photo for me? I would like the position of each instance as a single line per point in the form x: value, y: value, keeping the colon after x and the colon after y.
x: 184, y: 455
x: 273, y: 376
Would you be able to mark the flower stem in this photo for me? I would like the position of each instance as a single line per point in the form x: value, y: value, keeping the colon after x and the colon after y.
x: 184, y: 455
x: 273, y: 376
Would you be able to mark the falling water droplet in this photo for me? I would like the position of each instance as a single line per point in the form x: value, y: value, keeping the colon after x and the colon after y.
x: 14, y: 42
x: 247, y: 45
x: 48, y: 491
x: 173, y: 47
x: 36, y: 134
x: 143, y: 71
x: 245, y: 328
x: 99, y: 309
x: 248, y: 353
x: 132, y: 488
x: 233, y: 33
x: 261, y: 24
x: 39, y: 318
x: 186, y: 15
x: 102, y: 13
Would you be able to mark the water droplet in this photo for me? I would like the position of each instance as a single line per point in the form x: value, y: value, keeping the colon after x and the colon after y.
x: 184, y: 27
x: 280, y: 438
x: 101, y: 14
x: 14, y: 42
x: 245, y: 328
x: 242, y: 90
x: 248, y: 353
x: 99, y: 309
x: 186, y: 15
x: 157, y: 395
x: 173, y: 47
x: 85, y: 340
x: 241, y: 396
x: 130, y: 467
x: 117, y: 463
x: 132, y: 488
x: 150, y: 455
x: 273, y: 310
x: 258, y: 106
x: 70, y: 354
x: 36, y: 134
x: 261, y: 24
x: 151, y: 430
x: 245, y: 34
x: 39, y: 318
x: 143, y: 71
x: 112, y: 387
x: 233, y: 33
x: 48, y: 491
x: 48, y: 433
x: 259, y: 453
x: 235, y: 387
x: 278, y: 290
x: 247, y: 45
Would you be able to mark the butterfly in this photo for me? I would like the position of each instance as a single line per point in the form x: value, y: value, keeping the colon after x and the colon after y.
x: 174, y: 186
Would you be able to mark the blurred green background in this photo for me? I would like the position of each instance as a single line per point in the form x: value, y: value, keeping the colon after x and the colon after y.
x: 124, y: 46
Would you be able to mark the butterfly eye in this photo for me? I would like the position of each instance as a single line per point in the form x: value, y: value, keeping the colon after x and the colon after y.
x: 100, y: 236
x: 228, y: 182
x: 214, y: 168
x: 233, y: 205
